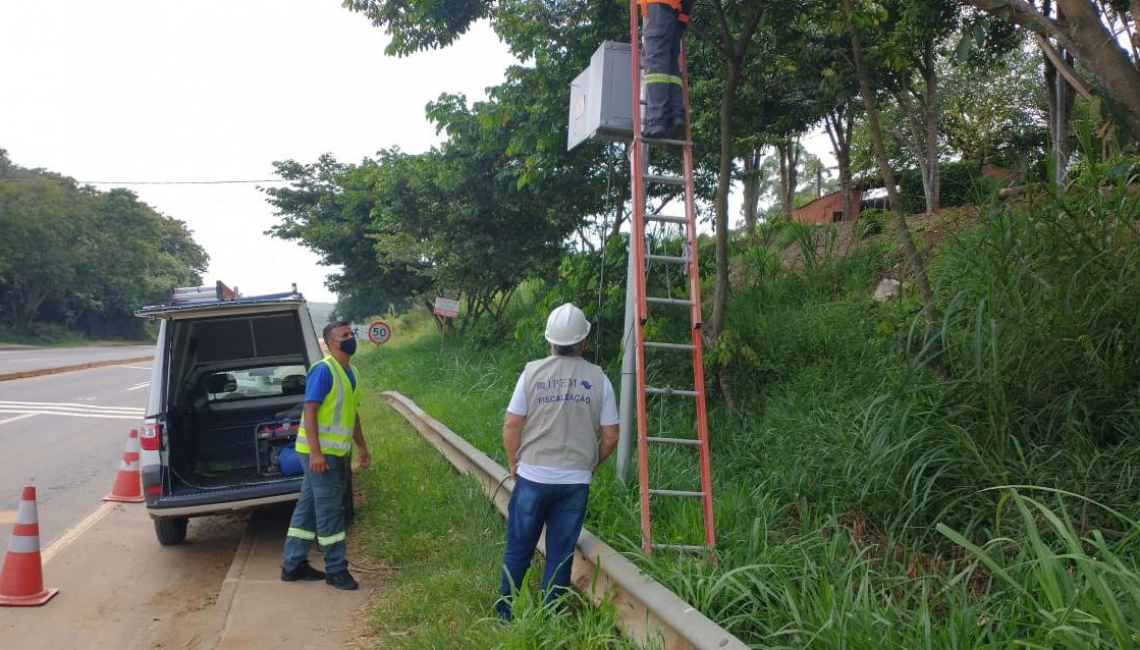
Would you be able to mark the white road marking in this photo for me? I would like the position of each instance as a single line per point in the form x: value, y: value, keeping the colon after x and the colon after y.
x: 136, y: 367
x: 74, y: 533
x: 138, y: 386
x: 18, y: 417
x: 72, y: 410
x: 67, y: 406
x: 105, y: 416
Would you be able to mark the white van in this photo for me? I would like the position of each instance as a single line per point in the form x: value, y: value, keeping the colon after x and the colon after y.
x: 225, y: 403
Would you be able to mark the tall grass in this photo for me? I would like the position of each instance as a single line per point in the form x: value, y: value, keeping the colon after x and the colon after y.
x: 859, y: 502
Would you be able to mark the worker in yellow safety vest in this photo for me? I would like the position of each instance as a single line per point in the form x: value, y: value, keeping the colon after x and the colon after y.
x: 663, y: 24
x: 329, y: 426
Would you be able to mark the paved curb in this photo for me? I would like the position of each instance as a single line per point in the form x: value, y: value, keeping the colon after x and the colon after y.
x: 24, y: 374
x: 225, y: 603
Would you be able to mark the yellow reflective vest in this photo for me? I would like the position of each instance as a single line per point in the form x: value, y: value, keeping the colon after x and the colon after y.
x: 336, y: 419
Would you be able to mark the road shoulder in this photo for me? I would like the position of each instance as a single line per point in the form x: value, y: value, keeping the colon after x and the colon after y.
x: 257, y: 610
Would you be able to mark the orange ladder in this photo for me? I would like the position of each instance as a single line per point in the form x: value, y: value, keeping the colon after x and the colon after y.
x: 645, y: 262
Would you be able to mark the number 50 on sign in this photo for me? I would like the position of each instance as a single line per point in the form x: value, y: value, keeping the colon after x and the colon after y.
x: 379, y: 332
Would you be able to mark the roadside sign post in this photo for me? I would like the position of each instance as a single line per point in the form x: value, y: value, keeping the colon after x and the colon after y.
x: 447, y: 308
x: 379, y: 332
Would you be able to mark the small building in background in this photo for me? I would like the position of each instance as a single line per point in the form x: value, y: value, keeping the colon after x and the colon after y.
x: 829, y: 209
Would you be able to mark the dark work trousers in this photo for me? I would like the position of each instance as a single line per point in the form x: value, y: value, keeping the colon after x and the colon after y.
x: 661, y: 39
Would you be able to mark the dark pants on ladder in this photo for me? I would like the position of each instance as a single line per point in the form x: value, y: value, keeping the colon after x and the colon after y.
x: 661, y: 38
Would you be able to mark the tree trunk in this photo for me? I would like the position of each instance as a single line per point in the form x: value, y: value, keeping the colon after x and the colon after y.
x: 732, y: 51
x: 914, y: 257
x: 724, y: 180
x: 789, y: 151
x: 1083, y: 35
x: 839, y: 130
x: 923, y: 132
x: 934, y: 179
x: 751, y: 192
x: 1135, y: 4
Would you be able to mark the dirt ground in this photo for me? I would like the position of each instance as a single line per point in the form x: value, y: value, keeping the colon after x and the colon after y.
x: 118, y: 588
x: 930, y: 231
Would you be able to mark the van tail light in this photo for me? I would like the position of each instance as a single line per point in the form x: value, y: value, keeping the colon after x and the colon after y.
x: 151, y: 436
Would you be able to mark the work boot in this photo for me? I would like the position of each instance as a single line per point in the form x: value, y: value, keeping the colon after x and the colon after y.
x: 304, y: 571
x: 677, y: 128
x: 656, y: 130
x: 342, y: 580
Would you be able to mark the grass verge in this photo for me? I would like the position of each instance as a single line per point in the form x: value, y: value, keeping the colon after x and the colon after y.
x: 438, y: 541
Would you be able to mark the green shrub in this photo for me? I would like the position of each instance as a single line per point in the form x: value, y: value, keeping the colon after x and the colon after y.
x: 961, y: 183
x: 872, y: 221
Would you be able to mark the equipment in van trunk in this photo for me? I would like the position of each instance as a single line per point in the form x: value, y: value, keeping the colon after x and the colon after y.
x: 225, y: 402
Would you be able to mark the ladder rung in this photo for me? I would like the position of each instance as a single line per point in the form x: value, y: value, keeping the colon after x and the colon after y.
x: 674, y: 441
x: 688, y: 548
x: 670, y: 346
x: 673, y: 259
x: 666, y: 218
x: 665, y: 180
x: 684, y: 302
x: 670, y: 391
x: 672, y: 142
x: 677, y: 493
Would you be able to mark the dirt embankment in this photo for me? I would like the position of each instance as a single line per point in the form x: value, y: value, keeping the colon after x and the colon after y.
x: 931, y: 231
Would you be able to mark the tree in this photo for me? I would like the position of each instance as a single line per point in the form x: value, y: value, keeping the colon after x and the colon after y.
x: 1084, y: 32
x: 915, y: 259
x: 994, y: 109
x: 75, y: 256
x: 328, y: 208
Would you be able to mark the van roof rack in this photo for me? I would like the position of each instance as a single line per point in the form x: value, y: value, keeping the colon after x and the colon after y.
x: 193, y: 298
x: 218, y: 292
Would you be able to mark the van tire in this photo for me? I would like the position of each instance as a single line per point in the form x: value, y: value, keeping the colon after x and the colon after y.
x: 170, y: 530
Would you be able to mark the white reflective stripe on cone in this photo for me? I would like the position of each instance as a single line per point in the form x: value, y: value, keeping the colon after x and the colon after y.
x: 24, y: 544
x: 129, y: 466
x: 26, y: 514
x: 133, y: 445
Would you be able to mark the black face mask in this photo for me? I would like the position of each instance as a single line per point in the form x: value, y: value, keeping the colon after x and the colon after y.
x: 348, y: 346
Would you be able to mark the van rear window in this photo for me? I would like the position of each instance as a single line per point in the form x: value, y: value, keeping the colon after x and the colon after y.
x: 247, y: 337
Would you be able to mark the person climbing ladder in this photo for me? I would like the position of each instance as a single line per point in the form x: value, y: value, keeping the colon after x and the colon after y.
x: 663, y: 26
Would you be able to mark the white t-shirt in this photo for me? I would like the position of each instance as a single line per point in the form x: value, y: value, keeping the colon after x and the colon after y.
x: 558, y: 475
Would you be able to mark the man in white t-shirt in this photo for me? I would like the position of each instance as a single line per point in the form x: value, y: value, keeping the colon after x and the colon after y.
x: 550, y: 434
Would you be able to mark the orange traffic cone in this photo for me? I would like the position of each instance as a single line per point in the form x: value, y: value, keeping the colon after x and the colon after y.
x: 22, y: 578
x: 128, y: 483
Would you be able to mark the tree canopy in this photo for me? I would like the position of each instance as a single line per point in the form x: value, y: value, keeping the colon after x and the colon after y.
x: 81, y: 259
x: 947, y: 79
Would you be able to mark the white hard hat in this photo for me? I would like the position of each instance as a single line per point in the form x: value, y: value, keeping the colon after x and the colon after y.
x: 566, y: 325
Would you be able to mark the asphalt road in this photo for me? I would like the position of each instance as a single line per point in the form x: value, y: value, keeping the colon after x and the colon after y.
x: 65, y: 434
x: 118, y: 587
x: 22, y: 359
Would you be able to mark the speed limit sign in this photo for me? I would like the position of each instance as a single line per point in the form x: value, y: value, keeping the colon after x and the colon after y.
x: 379, y: 332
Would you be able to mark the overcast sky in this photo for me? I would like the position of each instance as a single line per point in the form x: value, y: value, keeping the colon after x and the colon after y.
x: 213, y: 90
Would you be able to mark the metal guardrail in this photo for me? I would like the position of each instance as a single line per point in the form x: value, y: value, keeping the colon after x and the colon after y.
x: 647, y: 611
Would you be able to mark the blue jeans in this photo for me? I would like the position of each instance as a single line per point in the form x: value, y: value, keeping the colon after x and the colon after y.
x: 561, y: 509
x: 319, y: 516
